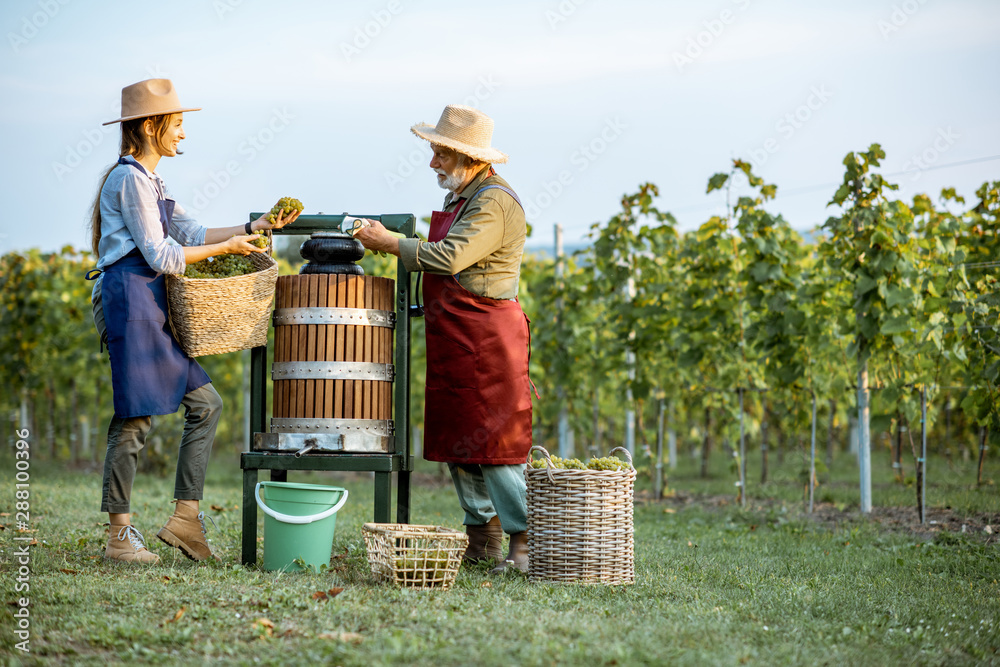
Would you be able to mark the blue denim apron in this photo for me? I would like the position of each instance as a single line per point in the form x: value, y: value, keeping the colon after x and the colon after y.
x: 150, y: 373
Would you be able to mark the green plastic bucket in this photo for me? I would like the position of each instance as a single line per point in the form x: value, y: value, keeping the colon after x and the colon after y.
x: 299, y: 520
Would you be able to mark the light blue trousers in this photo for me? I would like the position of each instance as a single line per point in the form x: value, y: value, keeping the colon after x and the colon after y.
x: 485, y: 491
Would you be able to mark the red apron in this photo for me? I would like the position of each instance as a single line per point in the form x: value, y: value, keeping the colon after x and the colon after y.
x: 477, y: 405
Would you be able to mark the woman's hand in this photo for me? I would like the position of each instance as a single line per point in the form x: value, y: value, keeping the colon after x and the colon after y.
x: 240, y: 245
x: 234, y: 245
x: 283, y: 219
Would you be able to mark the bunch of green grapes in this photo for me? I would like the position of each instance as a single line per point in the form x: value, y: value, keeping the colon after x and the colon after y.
x: 259, y: 242
x: 285, y: 205
x: 222, y: 266
x: 406, y: 567
x: 607, y: 463
x: 603, y: 463
x: 565, y: 464
x: 423, y: 569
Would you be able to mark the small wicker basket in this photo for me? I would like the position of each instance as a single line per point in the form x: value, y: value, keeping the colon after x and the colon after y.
x: 580, y: 528
x: 414, y: 556
x: 217, y: 315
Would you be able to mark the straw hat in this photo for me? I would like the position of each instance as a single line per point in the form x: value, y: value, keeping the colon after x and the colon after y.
x: 464, y: 129
x: 152, y: 97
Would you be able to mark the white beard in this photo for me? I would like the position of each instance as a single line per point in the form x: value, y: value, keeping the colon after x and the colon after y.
x: 452, y: 181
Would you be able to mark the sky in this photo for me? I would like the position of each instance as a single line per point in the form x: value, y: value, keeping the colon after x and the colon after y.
x: 590, y: 98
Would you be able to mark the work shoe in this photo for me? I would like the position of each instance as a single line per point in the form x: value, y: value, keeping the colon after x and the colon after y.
x: 517, y: 554
x: 485, y: 542
x: 186, y: 531
x: 126, y: 544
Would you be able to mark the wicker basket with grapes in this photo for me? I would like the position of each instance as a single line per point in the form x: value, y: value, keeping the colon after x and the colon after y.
x: 580, y: 527
x: 414, y: 556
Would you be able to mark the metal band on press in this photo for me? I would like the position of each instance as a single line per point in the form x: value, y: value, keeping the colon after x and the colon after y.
x: 302, y: 436
x: 332, y: 370
x: 350, y: 316
x: 376, y: 427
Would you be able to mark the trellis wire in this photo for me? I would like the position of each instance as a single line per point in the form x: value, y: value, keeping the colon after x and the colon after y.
x: 812, y: 448
x: 812, y: 458
x: 979, y: 265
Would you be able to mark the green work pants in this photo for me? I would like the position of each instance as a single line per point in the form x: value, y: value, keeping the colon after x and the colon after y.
x: 485, y: 491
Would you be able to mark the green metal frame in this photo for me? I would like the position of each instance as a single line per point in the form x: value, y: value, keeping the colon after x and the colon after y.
x: 398, y: 461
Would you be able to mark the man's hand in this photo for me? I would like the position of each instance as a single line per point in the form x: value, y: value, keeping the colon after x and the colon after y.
x: 374, y: 236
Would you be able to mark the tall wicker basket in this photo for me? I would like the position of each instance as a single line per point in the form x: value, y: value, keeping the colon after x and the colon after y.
x: 580, y: 527
x: 216, y: 315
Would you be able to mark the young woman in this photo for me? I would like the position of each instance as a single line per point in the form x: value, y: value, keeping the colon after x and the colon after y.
x: 150, y: 374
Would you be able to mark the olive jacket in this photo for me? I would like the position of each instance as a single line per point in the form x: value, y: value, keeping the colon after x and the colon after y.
x: 483, y: 249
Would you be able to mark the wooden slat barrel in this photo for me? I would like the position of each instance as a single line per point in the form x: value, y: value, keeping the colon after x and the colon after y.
x: 316, y: 350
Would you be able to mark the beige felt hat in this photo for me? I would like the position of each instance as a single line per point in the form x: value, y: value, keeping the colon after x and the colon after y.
x: 464, y: 129
x: 152, y: 97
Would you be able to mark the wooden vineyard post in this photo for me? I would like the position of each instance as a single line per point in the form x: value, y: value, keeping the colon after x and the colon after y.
x: 565, y: 451
x: 743, y: 457
x: 829, y: 434
x: 812, y: 455
x: 671, y: 437
x: 763, y: 442
x: 658, y: 478
x: 706, y: 443
x: 983, y: 435
x: 922, y: 461
x: 864, y: 437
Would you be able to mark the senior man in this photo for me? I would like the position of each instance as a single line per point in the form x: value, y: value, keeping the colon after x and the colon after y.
x: 478, y: 401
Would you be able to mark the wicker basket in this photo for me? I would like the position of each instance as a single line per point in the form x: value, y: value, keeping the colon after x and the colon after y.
x: 580, y: 524
x: 216, y: 315
x: 414, y: 556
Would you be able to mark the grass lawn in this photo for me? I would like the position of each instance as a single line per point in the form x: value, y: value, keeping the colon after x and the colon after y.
x: 715, y: 584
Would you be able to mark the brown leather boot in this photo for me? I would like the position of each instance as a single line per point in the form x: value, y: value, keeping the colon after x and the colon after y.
x: 485, y: 542
x: 186, y: 531
x: 517, y: 554
x: 126, y: 544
